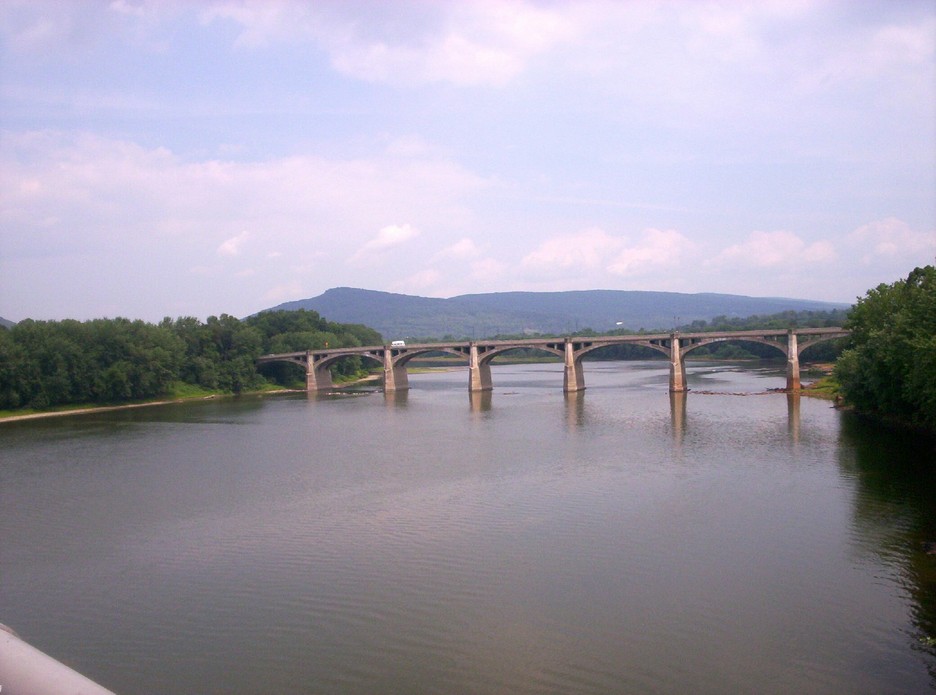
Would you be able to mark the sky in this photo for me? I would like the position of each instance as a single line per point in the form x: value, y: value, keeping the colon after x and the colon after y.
x: 184, y: 158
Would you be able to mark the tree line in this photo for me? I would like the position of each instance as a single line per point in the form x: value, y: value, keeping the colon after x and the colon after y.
x: 889, y: 368
x: 52, y: 363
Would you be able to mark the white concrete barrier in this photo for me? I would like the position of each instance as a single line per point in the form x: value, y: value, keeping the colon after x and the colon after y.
x: 24, y: 670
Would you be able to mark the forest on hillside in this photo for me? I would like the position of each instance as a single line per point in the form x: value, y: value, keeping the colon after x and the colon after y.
x: 480, y: 316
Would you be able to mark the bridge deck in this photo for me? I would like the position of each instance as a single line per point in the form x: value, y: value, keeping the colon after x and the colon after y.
x: 480, y: 353
x: 465, y: 345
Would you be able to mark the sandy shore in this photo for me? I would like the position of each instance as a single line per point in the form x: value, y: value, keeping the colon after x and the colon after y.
x: 127, y: 406
x: 95, y: 409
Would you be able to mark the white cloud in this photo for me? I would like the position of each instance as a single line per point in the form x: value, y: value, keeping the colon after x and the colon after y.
x: 97, y: 197
x: 124, y: 7
x: 774, y: 249
x: 264, y: 23
x: 461, y: 250
x: 421, y: 283
x: 892, y: 239
x: 594, y: 252
x: 233, y: 246
x: 581, y: 252
x: 120, y: 190
x: 388, y: 237
x: 409, y: 146
x: 487, y: 42
x: 283, y: 292
x: 657, y: 249
x: 31, y: 25
x: 484, y: 43
x: 392, y: 235
x: 490, y: 271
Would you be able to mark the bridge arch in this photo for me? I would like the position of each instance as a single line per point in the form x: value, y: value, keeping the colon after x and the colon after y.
x: 405, y: 356
x: 488, y: 356
x: 395, y: 359
x: 592, y: 347
x: 574, y: 349
x: 327, y: 362
x: 697, y: 343
x: 480, y: 357
x: 807, y: 341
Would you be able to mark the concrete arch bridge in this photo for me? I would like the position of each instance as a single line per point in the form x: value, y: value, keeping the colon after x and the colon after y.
x: 479, y: 355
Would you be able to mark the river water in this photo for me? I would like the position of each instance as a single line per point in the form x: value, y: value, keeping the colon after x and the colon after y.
x: 615, y: 541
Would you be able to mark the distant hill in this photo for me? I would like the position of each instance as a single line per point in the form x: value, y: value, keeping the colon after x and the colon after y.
x: 5, y: 323
x: 485, y: 315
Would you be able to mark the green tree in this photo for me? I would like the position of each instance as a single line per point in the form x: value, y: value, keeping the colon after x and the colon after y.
x: 298, y: 331
x: 890, y: 369
x: 48, y: 363
x: 14, y: 389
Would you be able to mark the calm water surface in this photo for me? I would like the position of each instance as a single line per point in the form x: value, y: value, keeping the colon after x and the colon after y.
x: 619, y: 540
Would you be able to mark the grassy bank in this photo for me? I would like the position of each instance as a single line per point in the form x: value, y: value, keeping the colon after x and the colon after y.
x: 179, y: 392
x: 826, y: 387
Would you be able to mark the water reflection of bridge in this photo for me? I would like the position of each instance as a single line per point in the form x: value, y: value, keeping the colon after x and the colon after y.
x: 679, y: 418
x: 479, y: 355
x: 481, y: 402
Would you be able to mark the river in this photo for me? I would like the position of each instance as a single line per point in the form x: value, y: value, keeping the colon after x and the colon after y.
x: 615, y: 541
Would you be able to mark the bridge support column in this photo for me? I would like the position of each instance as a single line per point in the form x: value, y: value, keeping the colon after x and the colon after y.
x: 792, y: 365
x: 395, y: 376
x: 574, y: 376
x: 479, y: 375
x: 316, y: 379
x: 677, y: 375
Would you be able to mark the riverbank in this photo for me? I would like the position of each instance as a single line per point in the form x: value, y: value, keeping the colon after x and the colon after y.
x: 83, y: 410
x: 128, y: 406
x: 823, y: 388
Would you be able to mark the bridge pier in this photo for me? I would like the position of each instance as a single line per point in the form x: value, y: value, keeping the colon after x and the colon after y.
x: 677, y: 378
x: 316, y: 379
x: 395, y: 376
x: 479, y: 375
x: 574, y: 379
x: 792, y: 365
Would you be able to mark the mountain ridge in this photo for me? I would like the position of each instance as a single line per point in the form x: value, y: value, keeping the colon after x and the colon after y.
x: 487, y: 314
